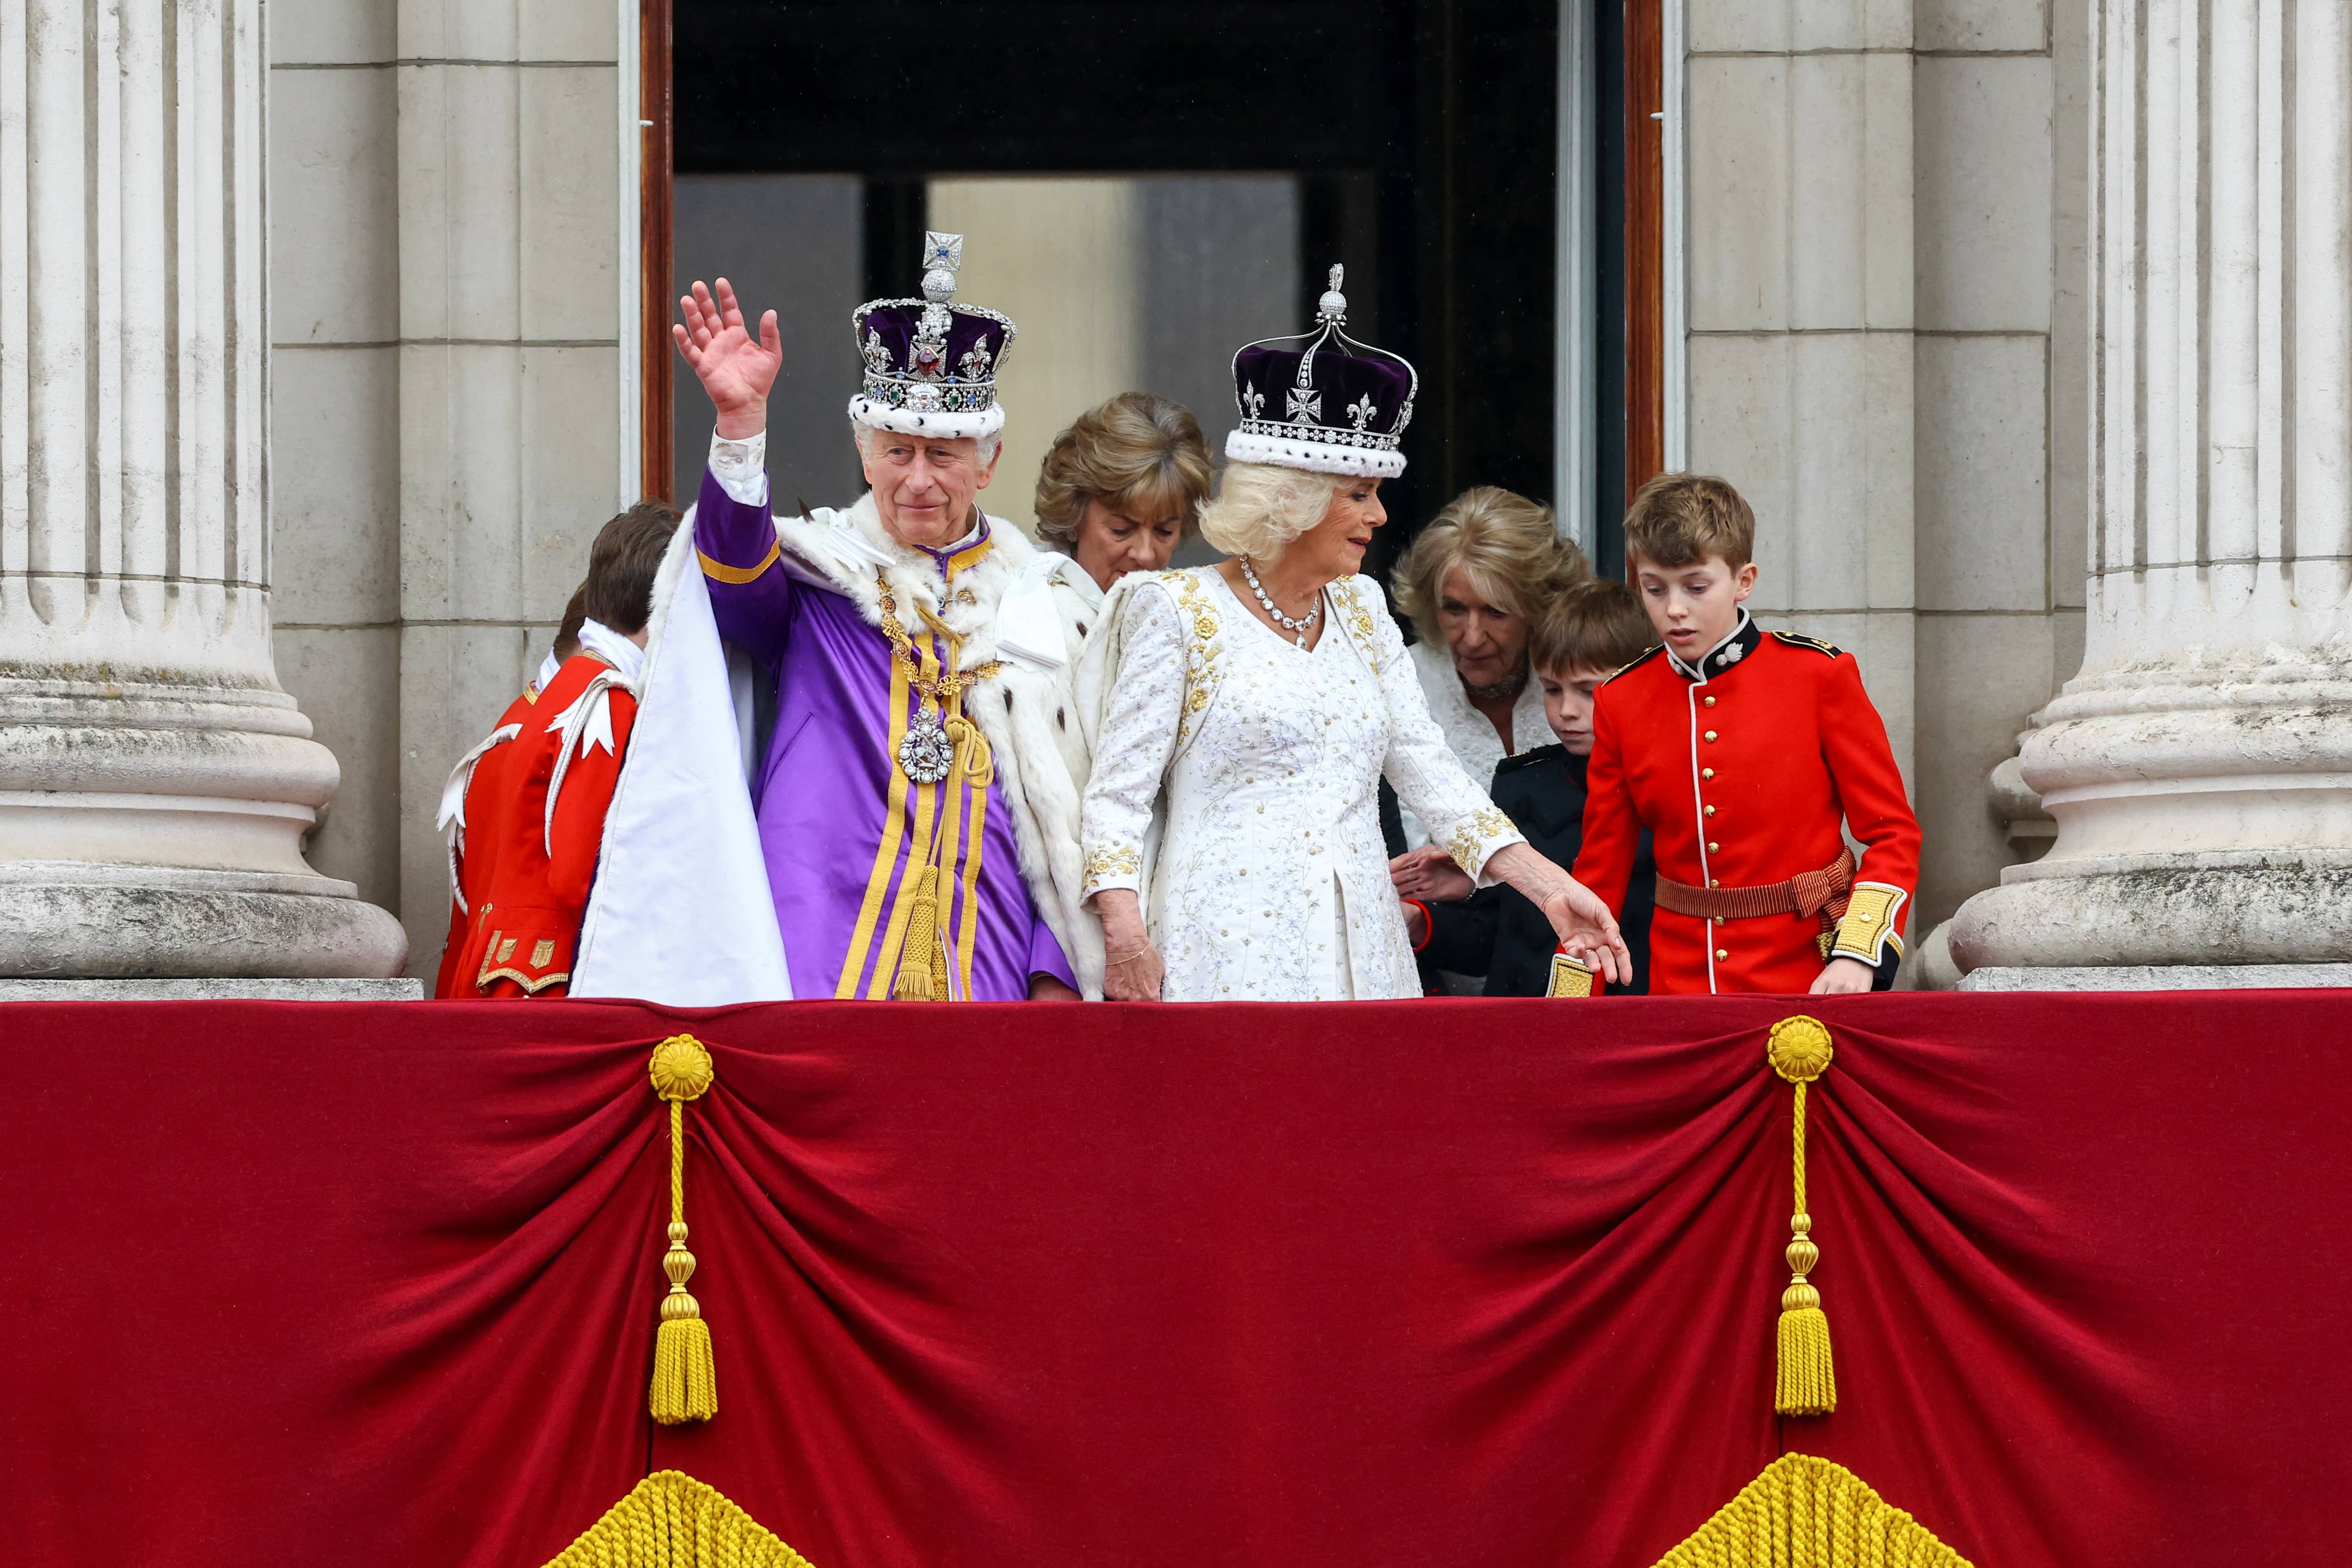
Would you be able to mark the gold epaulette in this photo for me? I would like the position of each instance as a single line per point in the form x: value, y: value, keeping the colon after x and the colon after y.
x: 1798, y: 640
x: 1638, y: 660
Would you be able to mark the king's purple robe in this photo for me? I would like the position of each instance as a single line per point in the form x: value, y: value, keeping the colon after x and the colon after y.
x: 829, y: 792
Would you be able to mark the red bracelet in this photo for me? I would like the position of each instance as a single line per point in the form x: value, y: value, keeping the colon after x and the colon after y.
x: 1428, y: 923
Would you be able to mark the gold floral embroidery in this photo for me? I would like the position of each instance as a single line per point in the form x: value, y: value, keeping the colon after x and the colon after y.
x: 1110, y: 861
x: 1199, y: 654
x: 1348, y: 591
x: 1479, y: 827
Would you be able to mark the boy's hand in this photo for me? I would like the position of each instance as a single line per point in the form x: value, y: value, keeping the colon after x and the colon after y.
x: 1841, y: 975
x: 1430, y: 874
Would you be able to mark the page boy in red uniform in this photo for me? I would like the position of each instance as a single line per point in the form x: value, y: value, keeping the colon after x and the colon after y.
x: 530, y: 803
x: 472, y: 796
x: 1745, y: 753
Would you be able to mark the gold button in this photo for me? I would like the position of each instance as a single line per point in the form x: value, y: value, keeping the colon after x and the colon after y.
x: 1720, y: 955
x: 1718, y: 920
x: 1712, y: 883
x: 1706, y: 772
x: 1710, y: 734
x: 1712, y: 847
x: 1710, y: 810
x: 1709, y: 701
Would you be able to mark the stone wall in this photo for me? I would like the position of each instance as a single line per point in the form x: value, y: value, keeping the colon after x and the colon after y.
x: 452, y: 398
x: 1886, y: 355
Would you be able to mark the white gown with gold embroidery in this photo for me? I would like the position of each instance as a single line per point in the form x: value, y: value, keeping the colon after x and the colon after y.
x: 1236, y: 787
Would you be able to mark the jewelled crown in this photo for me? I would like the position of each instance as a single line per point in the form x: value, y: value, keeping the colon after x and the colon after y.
x: 1322, y: 401
x: 931, y: 364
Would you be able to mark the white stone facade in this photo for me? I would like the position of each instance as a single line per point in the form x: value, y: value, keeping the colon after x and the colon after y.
x: 2200, y: 768
x: 156, y: 781
x: 454, y: 328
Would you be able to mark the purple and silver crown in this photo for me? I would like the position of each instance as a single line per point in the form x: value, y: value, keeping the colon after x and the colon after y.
x: 930, y: 364
x: 1344, y: 404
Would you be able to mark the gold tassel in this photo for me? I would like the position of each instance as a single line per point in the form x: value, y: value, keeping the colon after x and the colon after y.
x: 685, y: 1378
x: 919, y: 958
x: 1799, y: 1051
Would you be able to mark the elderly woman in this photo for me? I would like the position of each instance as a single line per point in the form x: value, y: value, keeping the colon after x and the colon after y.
x: 1476, y: 580
x: 1243, y: 717
x: 1117, y: 491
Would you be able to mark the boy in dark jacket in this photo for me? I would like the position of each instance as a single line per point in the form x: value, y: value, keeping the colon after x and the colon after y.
x: 1590, y: 631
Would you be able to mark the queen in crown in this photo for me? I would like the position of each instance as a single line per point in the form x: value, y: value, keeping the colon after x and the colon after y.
x: 1242, y: 717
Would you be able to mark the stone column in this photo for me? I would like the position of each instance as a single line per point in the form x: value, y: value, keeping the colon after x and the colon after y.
x: 2200, y: 768
x: 156, y: 781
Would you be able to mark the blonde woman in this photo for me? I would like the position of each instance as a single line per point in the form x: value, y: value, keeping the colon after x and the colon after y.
x: 1475, y: 580
x: 1118, y: 490
x: 1243, y: 717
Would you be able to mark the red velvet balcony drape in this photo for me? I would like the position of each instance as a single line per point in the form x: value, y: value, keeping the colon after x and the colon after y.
x: 1470, y: 1283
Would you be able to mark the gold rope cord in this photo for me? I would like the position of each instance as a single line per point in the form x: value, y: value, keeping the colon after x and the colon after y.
x: 1805, y: 1513
x: 919, y: 950
x: 1799, y: 1050
x: 886, y: 853
x: 669, y: 1520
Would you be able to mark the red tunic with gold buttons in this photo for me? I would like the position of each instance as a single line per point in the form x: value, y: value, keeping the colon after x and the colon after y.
x: 1743, y: 769
x: 536, y: 807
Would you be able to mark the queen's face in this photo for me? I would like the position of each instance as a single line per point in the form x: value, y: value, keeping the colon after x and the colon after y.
x: 1111, y: 541
x: 1335, y: 546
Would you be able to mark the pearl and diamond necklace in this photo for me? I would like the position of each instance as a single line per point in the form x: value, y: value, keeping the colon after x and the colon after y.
x: 1299, y: 628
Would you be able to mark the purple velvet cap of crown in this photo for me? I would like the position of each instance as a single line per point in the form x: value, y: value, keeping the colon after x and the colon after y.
x: 1340, y: 386
x: 1322, y: 401
x: 894, y: 325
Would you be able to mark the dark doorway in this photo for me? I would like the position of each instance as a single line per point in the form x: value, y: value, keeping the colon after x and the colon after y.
x: 1422, y: 136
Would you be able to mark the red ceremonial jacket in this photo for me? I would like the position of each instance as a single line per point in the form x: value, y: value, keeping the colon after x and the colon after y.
x: 1744, y: 769
x: 470, y: 807
x: 531, y: 816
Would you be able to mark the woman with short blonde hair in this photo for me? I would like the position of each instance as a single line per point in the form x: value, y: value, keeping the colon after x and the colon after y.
x: 1475, y: 583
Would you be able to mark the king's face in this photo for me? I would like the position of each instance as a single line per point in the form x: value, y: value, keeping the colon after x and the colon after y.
x: 924, y: 486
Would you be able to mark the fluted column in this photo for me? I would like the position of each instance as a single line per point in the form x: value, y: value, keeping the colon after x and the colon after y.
x: 2199, y: 769
x: 155, y: 782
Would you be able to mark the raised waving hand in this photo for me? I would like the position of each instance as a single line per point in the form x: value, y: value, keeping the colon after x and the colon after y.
x: 735, y: 371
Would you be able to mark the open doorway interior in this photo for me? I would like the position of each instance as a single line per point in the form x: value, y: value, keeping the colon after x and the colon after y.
x: 1143, y: 189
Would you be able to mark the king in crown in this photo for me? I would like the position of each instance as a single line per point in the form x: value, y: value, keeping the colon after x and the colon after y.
x: 909, y: 826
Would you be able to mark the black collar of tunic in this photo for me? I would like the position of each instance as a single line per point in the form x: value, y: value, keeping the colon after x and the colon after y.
x: 1744, y: 640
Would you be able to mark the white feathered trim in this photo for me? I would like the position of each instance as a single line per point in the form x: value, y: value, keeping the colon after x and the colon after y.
x: 987, y: 422
x: 1314, y: 455
x: 1029, y: 715
x: 452, y: 814
x: 586, y: 725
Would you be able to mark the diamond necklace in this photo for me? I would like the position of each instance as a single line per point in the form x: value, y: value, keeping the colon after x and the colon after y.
x: 1299, y: 628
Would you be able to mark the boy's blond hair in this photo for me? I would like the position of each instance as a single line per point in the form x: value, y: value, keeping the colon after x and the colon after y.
x: 1680, y: 519
x: 1596, y: 626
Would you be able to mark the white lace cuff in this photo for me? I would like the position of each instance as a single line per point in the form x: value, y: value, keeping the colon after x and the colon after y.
x: 742, y: 468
